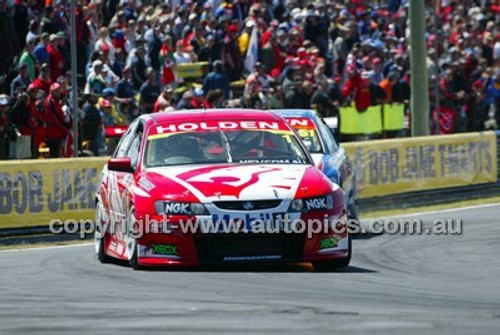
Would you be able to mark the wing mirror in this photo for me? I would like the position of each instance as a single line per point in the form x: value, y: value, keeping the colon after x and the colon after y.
x: 120, y: 164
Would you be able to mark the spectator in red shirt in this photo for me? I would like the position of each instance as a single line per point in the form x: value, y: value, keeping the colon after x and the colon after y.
x: 38, y: 117
x: 55, y: 120
x: 164, y: 100
x: 269, y: 32
x: 359, y: 87
x: 231, y: 56
x: 43, y: 81
x: 56, y: 58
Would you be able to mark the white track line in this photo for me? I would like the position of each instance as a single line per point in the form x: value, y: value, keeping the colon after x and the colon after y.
x: 433, y: 212
x: 47, y: 247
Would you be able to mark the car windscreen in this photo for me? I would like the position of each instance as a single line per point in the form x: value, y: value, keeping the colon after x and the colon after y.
x: 224, y: 146
x: 308, y: 134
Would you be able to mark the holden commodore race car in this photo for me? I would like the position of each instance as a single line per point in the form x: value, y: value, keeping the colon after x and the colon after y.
x: 218, y: 186
x: 328, y: 156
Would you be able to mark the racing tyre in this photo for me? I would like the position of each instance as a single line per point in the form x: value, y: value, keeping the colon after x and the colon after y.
x: 131, y: 241
x: 353, y: 217
x: 324, y: 266
x: 100, y: 236
x: 353, y: 211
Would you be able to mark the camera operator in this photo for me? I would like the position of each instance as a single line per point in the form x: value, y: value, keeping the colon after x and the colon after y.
x: 20, y: 117
x: 91, y: 123
x: 7, y: 131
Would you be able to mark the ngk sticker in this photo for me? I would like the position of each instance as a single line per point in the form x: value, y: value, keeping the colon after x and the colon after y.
x: 319, y: 203
x: 176, y: 208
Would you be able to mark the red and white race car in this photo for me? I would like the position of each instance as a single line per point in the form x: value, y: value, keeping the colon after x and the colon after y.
x: 218, y: 186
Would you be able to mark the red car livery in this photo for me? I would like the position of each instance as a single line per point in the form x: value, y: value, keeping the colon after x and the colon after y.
x: 195, y: 187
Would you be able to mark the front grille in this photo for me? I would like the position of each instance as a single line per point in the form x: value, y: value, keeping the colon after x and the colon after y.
x: 245, y: 247
x: 244, y: 205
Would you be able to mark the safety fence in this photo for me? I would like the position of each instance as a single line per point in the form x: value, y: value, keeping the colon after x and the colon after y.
x: 33, y: 192
x: 386, y: 167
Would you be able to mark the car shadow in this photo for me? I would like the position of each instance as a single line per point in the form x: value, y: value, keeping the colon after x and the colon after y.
x: 365, y: 236
x: 254, y: 267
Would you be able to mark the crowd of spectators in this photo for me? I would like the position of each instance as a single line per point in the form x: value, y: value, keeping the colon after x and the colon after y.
x: 320, y: 54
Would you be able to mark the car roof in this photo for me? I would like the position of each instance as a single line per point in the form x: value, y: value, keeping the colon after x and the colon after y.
x: 291, y: 113
x: 194, y: 115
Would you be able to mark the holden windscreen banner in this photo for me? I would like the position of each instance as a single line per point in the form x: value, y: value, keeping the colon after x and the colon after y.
x: 218, y: 125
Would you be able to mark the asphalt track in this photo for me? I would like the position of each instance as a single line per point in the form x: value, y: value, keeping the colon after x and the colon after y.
x: 397, y: 284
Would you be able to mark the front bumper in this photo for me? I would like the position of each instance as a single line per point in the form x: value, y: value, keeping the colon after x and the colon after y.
x: 179, y: 248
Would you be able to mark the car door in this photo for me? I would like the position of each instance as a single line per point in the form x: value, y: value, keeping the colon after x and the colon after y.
x: 119, y: 182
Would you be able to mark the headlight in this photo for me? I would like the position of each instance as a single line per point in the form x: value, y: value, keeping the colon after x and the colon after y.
x: 198, y: 209
x: 179, y: 208
x: 296, y: 206
x: 312, y: 204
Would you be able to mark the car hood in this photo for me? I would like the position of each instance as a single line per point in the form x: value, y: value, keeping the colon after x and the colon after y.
x: 210, y: 183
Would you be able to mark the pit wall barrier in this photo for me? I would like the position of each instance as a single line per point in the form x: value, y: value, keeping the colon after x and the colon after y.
x: 34, y: 192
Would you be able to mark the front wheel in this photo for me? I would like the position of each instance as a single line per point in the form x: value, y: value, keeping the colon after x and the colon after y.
x: 131, y: 241
x: 353, y: 212
x: 100, y: 235
x: 335, y: 264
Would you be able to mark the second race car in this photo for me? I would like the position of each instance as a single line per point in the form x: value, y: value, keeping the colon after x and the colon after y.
x: 328, y: 155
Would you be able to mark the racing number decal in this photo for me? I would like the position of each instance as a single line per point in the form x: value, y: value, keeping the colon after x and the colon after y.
x: 212, y: 180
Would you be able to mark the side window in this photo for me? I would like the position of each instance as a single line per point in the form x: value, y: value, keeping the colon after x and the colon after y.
x: 328, y: 139
x: 135, y: 146
x: 123, y: 145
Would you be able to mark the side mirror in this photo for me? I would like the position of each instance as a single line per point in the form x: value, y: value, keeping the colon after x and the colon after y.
x: 120, y: 164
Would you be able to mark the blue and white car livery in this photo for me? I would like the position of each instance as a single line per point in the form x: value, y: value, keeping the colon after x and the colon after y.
x: 327, y: 154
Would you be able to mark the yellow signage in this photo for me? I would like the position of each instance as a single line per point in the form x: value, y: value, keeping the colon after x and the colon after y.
x: 357, y: 123
x: 421, y: 163
x: 394, y: 116
x: 33, y: 192
x: 192, y: 70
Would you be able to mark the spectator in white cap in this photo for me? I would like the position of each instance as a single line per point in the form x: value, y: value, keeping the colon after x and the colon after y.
x: 244, y: 38
x: 96, y: 82
x: 198, y: 97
